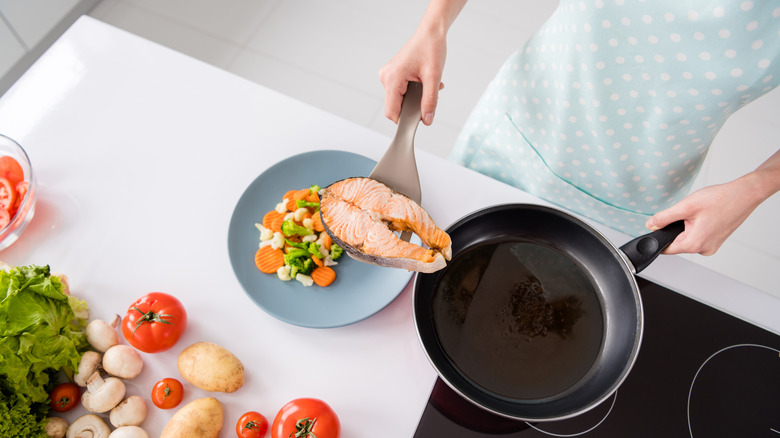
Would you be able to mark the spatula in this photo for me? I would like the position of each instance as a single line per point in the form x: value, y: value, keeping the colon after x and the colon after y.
x: 398, y: 167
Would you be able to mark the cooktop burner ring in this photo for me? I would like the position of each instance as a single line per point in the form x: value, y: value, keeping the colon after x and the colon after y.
x: 568, y: 435
x: 774, y: 428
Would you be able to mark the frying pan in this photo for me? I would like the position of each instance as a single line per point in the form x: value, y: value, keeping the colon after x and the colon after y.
x: 538, y: 316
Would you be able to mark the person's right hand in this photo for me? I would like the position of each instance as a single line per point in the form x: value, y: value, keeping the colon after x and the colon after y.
x: 421, y: 59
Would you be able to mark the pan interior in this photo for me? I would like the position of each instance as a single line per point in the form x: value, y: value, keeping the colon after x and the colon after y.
x: 520, y: 319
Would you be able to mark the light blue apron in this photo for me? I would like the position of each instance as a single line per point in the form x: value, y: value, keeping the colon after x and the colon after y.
x: 610, y: 108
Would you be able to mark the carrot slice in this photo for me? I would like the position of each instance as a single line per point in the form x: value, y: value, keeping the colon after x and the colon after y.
x: 268, y: 259
x: 317, y: 222
x: 273, y: 220
x: 269, y: 217
x: 326, y: 241
x: 317, y: 261
x: 323, y: 275
x: 292, y: 204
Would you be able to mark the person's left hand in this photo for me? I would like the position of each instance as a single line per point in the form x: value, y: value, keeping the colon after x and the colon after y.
x: 711, y: 215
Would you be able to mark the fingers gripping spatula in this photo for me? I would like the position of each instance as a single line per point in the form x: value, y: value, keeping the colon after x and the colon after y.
x: 398, y: 167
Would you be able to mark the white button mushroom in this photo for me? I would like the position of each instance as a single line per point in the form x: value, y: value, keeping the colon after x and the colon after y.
x: 88, y: 426
x: 102, y: 335
x: 122, y: 361
x: 102, y: 394
x: 90, y: 361
x: 128, y: 432
x: 56, y: 427
x: 131, y: 412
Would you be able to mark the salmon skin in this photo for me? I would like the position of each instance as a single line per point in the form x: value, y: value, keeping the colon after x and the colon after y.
x: 362, y: 215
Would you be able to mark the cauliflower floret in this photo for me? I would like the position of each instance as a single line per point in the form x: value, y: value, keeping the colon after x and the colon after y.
x: 289, y: 215
x: 308, y: 223
x: 300, y: 214
x: 309, y: 238
x: 277, y: 242
x: 265, y: 233
x: 282, y: 206
x: 304, y: 279
x: 284, y: 273
x: 327, y: 261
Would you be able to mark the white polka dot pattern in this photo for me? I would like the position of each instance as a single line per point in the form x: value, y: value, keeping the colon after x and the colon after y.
x: 610, y: 108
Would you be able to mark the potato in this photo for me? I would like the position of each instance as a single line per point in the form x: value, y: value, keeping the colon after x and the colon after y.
x: 199, y: 418
x: 211, y: 367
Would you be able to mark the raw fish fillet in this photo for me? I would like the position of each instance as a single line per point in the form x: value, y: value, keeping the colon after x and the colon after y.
x: 361, y: 215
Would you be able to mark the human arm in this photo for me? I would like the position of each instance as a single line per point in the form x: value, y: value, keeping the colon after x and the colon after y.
x: 421, y: 59
x: 713, y: 213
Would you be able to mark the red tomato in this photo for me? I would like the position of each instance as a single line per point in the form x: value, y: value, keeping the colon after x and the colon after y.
x: 64, y: 397
x: 11, y: 170
x: 5, y: 218
x: 252, y: 425
x: 154, y: 322
x: 306, y: 418
x: 7, y: 194
x: 167, y: 393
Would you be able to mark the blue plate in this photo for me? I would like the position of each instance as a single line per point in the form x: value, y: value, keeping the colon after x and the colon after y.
x: 360, y: 289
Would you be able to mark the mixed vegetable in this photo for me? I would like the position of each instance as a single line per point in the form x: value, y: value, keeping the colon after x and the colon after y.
x: 293, y: 241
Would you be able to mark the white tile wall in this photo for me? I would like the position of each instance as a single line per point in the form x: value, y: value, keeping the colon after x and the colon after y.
x: 328, y: 52
x: 27, y: 29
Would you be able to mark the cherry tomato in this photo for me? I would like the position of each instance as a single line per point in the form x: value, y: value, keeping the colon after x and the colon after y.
x: 5, y: 218
x: 7, y: 194
x: 252, y: 425
x: 306, y: 418
x: 64, y: 397
x: 167, y: 393
x: 11, y: 170
x: 154, y: 322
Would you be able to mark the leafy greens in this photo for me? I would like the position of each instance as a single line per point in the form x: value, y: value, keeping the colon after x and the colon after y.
x: 40, y: 334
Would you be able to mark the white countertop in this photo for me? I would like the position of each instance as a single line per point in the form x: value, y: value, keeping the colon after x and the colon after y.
x: 141, y: 154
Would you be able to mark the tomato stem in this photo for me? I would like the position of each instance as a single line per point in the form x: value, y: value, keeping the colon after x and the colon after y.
x: 150, y: 317
x: 252, y: 425
x: 303, y: 428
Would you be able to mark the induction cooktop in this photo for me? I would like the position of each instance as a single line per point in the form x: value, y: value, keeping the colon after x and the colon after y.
x: 700, y: 372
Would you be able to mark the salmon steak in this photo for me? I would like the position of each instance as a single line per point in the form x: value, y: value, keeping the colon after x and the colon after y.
x: 363, y: 216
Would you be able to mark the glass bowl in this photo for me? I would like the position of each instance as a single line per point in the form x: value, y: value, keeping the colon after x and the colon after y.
x: 23, y: 208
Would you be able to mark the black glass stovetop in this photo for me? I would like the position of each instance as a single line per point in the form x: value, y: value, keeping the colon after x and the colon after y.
x: 700, y: 372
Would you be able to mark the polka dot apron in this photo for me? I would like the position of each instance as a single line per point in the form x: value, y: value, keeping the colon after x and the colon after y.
x: 610, y: 108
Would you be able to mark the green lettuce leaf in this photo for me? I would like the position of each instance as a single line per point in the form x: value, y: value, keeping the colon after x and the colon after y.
x: 39, y: 332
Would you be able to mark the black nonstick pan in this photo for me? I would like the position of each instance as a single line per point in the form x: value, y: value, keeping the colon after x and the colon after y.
x: 538, y: 316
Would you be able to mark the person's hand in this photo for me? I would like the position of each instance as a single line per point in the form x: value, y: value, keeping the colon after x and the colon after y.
x: 711, y: 215
x: 421, y: 59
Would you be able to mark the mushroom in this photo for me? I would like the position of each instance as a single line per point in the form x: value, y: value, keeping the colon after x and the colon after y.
x: 102, y: 394
x: 88, y: 426
x: 102, y: 335
x: 123, y: 361
x: 128, y: 432
x: 90, y: 361
x: 131, y: 412
x: 56, y: 427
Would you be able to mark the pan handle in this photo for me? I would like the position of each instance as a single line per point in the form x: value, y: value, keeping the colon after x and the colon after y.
x: 644, y: 249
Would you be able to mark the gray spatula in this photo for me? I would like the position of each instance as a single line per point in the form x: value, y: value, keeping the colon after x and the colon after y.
x: 398, y: 167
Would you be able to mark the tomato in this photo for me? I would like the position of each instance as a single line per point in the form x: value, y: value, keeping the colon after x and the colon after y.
x: 154, y: 322
x: 167, y: 393
x: 252, y: 425
x: 306, y: 418
x: 7, y: 194
x: 64, y: 397
x: 11, y: 170
x: 5, y: 218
